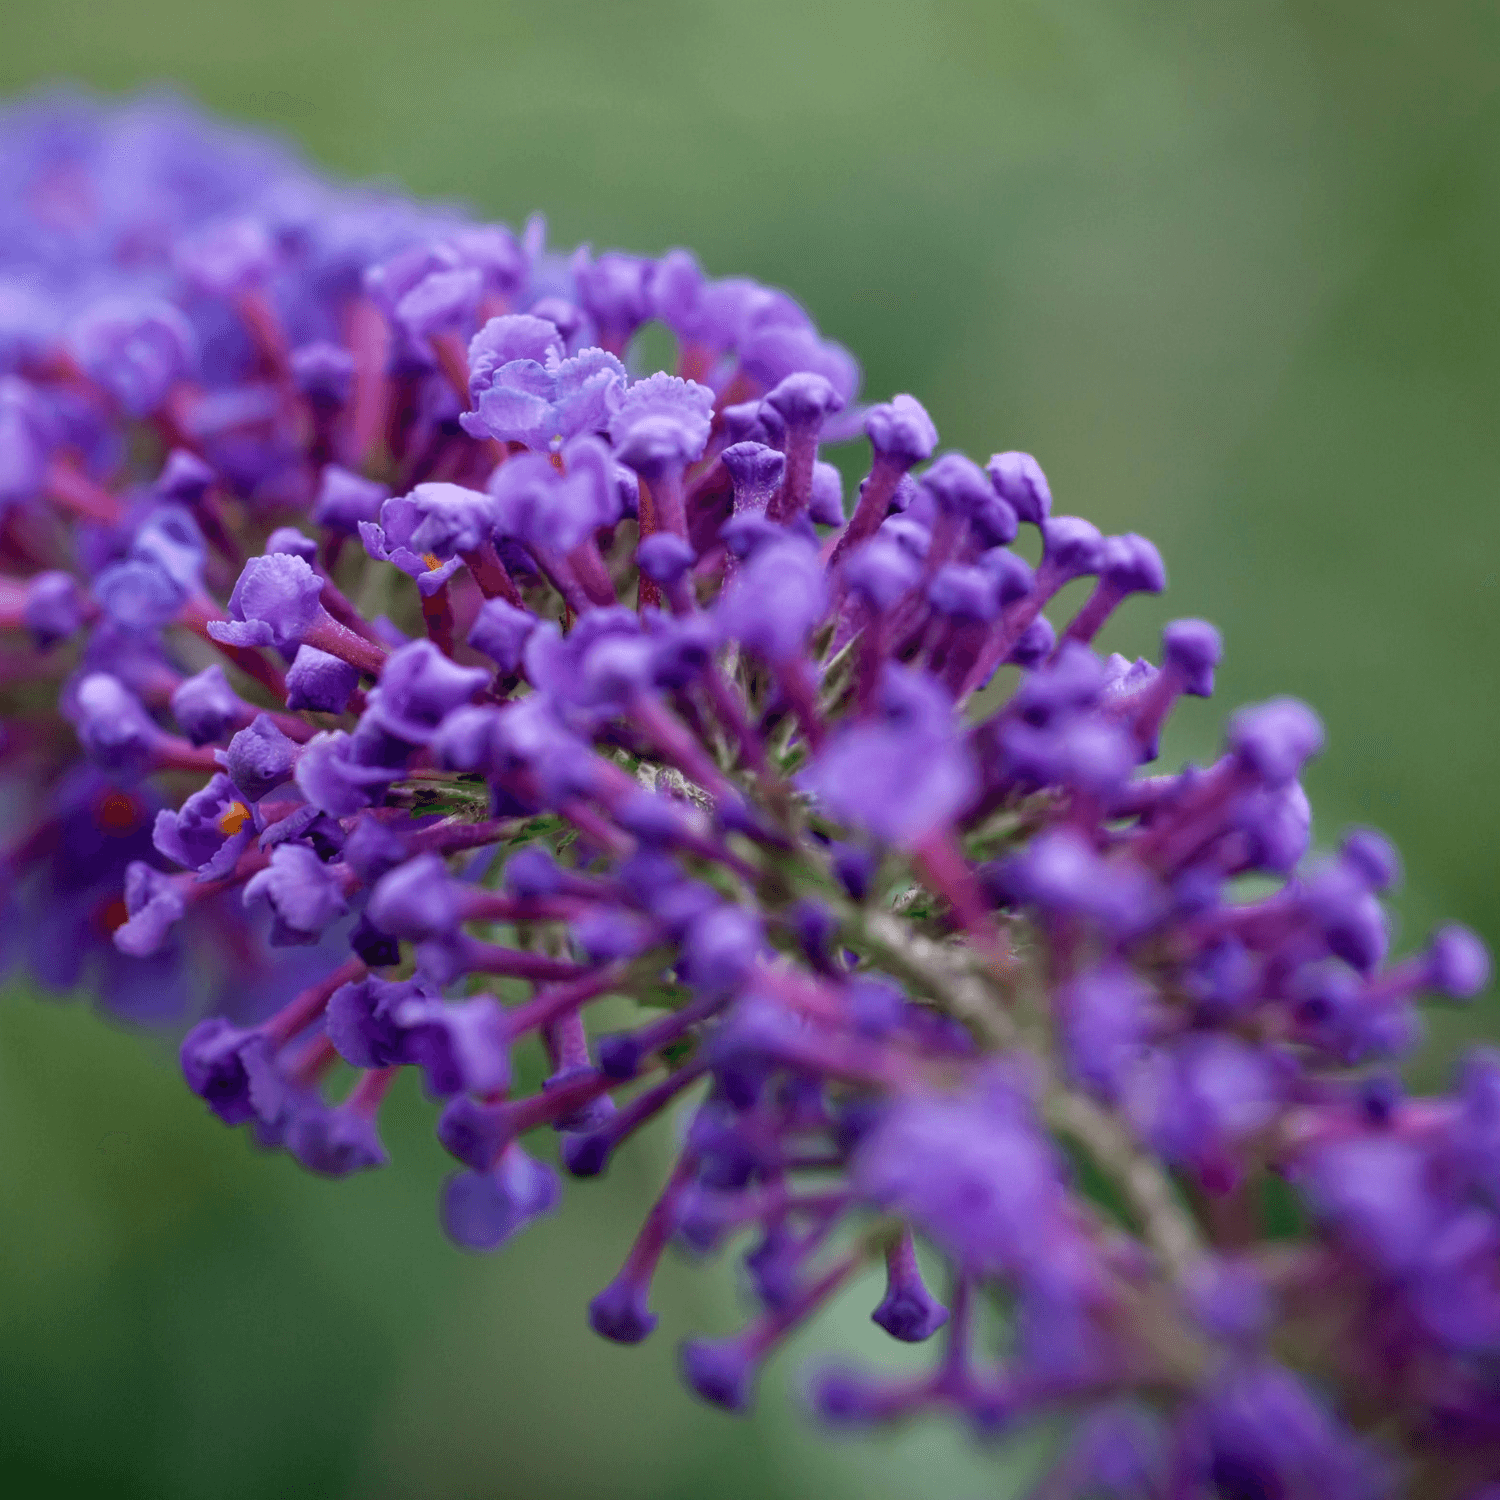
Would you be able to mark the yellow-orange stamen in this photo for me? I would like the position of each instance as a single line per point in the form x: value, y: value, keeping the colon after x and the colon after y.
x: 233, y: 818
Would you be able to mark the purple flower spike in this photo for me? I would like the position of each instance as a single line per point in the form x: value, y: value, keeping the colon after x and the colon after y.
x: 916, y: 963
x: 1019, y: 481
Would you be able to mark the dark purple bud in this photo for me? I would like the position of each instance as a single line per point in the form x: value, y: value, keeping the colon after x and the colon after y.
x: 1457, y: 962
x: 53, y: 608
x: 212, y: 1055
x: 184, y: 479
x: 815, y: 927
x: 744, y: 535
x: 324, y: 373
x: 607, y: 935
x: 532, y: 874
x: 1132, y: 565
x: 901, y: 431
x: 826, y: 506
x: 1273, y: 740
x: 1013, y: 576
x: 957, y: 484
x: 720, y: 949
x: 719, y: 1370
x: 319, y: 681
x: 742, y: 423
x: 377, y: 949
x: 334, y: 1142
x: 1035, y: 644
x: 345, y: 499
x: 290, y: 539
x: 908, y: 1311
x: 966, y: 594
x: 1192, y: 648
x: 882, y: 571
x: 664, y: 557
x: 462, y: 1048
x: 418, y: 687
x: 804, y: 399
x: 259, y: 758
x: 501, y: 631
x: 473, y: 1133
x: 303, y: 895
x: 1072, y: 547
x: 481, y: 1210
x: 154, y: 904
x: 113, y: 727
x: 756, y: 471
x: 1372, y: 856
x: 775, y: 600
x: 1019, y: 481
x: 848, y: 1398
x: 621, y: 1311
x: 417, y: 900
x: 855, y: 868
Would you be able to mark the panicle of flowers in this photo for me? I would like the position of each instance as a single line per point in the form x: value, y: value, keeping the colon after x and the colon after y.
x: 395, y: 669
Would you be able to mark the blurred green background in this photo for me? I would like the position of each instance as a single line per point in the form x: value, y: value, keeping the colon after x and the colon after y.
x: 1229, y: 270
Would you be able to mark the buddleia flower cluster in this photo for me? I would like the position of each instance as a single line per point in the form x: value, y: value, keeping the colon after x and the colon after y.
x: 399, y: 674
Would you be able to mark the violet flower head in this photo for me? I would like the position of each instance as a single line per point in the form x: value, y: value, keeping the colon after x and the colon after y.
x: 550, y: 687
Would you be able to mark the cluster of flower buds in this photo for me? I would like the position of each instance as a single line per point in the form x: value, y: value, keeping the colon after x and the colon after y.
x: 394, y: 669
